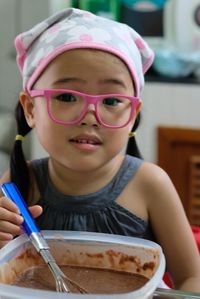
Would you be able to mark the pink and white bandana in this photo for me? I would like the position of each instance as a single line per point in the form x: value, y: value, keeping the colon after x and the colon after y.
x: 72, y: 29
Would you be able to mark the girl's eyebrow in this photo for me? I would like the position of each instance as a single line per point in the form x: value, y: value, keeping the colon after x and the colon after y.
x: 68, y: 80
x: 114, y: 81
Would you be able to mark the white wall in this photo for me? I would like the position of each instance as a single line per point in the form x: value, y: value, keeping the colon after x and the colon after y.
x: 9, y: 81
x: 15, y: 17
x: 170, y: 105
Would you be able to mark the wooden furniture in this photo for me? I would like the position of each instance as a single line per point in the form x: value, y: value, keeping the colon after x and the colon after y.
x: 176, y: 147
x: 194, y: 191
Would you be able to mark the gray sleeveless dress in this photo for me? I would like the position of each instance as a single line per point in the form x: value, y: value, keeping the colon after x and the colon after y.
x: 94, y: 212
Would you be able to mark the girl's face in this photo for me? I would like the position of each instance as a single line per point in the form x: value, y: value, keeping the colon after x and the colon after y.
x: 86, y: 145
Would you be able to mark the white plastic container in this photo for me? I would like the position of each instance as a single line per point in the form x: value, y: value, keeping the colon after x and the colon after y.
x: 19, y: 255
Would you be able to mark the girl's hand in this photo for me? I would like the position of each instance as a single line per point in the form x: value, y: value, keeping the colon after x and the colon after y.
x: 10, y: 219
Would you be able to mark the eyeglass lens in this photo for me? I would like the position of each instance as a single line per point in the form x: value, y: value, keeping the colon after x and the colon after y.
x: 68, y: 107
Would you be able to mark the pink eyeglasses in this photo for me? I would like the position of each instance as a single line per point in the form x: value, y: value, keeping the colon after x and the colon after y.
x: 67, y: 107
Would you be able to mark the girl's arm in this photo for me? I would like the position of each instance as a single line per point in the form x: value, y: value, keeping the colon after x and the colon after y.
x: 172, y: 229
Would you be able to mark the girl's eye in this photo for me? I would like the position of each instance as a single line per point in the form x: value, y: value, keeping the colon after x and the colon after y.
x: 111, y: 101
x: 65, y: 97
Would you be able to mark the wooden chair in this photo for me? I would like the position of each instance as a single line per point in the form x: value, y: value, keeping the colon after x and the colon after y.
x: 194, y: 191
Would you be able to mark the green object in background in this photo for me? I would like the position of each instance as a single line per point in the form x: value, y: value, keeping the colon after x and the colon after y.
x: 75, y: 3
x: 104, y: 8
x: 147, y: 3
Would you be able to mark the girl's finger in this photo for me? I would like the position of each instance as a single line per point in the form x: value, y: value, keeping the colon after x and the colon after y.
x: 9, y: 228
x: 9, y: 205
x: 7, y: 215
x: 35, y: 211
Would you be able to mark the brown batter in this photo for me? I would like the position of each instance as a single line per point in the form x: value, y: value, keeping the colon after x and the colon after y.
x: 96, y: 281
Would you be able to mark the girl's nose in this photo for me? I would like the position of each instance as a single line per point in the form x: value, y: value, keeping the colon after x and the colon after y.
x: 90, y: 116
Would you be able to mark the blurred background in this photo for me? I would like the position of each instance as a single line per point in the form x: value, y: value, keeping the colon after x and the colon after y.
x: 169, y: 133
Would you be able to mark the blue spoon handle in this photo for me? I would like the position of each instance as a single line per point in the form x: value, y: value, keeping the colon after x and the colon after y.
x: 11, y: 191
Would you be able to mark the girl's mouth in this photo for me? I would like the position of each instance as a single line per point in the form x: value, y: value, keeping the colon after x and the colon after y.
x: 86, y: 142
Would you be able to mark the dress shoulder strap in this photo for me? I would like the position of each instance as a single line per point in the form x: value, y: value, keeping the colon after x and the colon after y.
x: 124, y: 175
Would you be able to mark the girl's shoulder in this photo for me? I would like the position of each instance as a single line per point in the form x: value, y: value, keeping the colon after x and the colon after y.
x: 145, y: 188
x: 152, y: 175
x: 146, y: 178
x: 157, y: 189
x: 153, y: 183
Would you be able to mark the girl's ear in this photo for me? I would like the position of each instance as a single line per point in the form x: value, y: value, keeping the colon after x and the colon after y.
x: 28, y: 107
x: 138, y: 107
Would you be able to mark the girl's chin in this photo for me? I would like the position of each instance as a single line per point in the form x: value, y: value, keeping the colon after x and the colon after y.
x: 81, y: 164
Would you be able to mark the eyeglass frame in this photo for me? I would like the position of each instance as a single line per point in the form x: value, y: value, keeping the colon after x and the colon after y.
x: 89, y: 99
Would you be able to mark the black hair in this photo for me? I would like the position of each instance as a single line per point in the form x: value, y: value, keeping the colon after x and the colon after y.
x: 19, y: 171
x: 132, y: 147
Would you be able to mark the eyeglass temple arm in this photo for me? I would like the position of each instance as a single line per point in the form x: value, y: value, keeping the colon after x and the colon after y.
x: 35, y: 93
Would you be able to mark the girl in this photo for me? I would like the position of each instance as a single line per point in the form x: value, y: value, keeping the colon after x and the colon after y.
x: 82, y: 78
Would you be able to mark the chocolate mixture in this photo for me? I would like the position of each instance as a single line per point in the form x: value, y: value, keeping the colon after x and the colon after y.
x: 95, y: 281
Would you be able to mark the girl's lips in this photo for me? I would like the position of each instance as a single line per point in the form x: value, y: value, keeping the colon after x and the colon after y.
x: 86, y: 142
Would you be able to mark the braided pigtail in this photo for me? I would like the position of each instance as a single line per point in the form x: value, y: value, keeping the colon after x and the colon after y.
x: 132, y: 147
x: 18, y: 165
